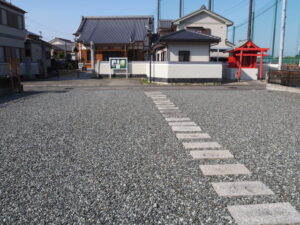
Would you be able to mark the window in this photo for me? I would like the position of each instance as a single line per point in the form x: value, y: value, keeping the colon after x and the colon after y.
x: 7, y: 52
x: 201, y: 30
x: 11, y: 19
x: 20, y: 22
x: 157, y: 57
x: 184, y: 56
x: 163, y: 56
x: 2, y: 56
x: 3, y: 17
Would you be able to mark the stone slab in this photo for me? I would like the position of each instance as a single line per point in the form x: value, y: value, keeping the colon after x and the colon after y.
x: 170, y: 111
x: 195, y: 145
x: 211, y: 154
x: 274, y: 213
x: 174, y: 114
x: 167, y: 107
x: 226, y: 169
x: 184, y: 123
x: 192, y: 136
x: 176, y: 119
x: 241, y: 188
x: 186, y: 128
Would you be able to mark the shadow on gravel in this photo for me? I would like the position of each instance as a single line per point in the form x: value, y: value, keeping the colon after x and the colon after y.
x: 19, y: 96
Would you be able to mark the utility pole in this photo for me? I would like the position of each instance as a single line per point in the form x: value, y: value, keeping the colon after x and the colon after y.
x: 180, y: 8
x: 274, y: 28
x: 282, y: 34
x: 209, y: 5
x: 250, y: 19
x: 158, y: 13
x: 253, y: 20
x: 233, y: 34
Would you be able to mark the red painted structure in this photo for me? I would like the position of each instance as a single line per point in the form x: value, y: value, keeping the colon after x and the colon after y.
x: 245, y: 56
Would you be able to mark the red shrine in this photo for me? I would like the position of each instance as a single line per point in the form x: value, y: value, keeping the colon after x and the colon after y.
x: 245, y: 56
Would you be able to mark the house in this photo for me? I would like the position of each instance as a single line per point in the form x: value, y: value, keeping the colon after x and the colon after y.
x: 37, y: 52
x: 206, y: 22
x: 184, y: 46
x: 99, y: 38
x: 61, y: 48
x: 12, y: 35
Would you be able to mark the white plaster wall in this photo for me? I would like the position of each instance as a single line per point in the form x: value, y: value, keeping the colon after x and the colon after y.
x: 195, y: 70
x: 204, y: 70
x: 199, y: 52
x: 160, y: 70
x: 246, y: 73
x: 36, y: 52
x: 135, y: 67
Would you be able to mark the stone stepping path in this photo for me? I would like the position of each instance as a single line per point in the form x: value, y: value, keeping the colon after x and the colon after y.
x: 222, y: 170
x: 192, y: 136
x: 241, y: 188
x: 275, y: 213
x: 212, y: 154
x: 187, y: 130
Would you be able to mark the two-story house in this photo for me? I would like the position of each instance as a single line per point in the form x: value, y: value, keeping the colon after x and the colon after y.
x: 206, y: 23
x: 12, y: 35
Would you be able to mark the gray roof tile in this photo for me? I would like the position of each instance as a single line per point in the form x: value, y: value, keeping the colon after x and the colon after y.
x: 189, y: 36
x: 113, y: 30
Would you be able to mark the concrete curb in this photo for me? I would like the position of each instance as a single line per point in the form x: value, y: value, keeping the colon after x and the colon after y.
x: 278, y: 87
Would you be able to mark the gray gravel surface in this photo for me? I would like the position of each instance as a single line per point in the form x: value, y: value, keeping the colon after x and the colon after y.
x: 109, y: 157
x: 261, y: 129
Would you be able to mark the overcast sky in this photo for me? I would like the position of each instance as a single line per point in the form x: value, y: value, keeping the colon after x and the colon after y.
x: 61, y: 18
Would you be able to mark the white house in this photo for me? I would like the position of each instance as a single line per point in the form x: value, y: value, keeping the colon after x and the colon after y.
x: 62, y: 47
x: 206, y: 22
x: 184, y: 46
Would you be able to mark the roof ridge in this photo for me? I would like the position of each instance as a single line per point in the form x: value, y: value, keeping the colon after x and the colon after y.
x: 208, y: 35
x: 116, y: 17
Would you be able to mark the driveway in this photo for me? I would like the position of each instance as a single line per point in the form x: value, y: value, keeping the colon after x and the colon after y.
x: 108, y: 156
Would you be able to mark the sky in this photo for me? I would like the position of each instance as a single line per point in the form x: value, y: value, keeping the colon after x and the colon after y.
x: 61, y: 18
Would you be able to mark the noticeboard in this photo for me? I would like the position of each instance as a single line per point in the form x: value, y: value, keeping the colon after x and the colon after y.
x: 118, y: 63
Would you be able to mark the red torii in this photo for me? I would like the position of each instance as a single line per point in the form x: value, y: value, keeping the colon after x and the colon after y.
x: 245, y: 56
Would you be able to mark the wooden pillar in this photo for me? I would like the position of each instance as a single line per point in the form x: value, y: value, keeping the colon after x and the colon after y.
x: 92, y: 46
x: 240, y: 65
x: 261, y: 66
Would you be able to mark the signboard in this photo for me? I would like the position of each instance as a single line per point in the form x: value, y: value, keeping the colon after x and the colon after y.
x: 118, y: 64
x: 80, y: 66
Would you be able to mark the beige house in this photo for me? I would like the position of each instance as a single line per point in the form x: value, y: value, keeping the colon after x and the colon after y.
x: 205, y: 22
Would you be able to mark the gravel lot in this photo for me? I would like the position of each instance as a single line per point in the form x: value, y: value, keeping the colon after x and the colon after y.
x: 109, y: 157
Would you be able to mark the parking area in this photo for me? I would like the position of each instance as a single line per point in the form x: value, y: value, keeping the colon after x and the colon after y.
x: 106, y: 155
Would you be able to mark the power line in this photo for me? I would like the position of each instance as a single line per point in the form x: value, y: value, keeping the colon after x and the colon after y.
x: 47, y: 27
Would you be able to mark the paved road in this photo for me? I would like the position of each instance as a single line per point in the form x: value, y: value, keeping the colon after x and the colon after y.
x: 108, y: 156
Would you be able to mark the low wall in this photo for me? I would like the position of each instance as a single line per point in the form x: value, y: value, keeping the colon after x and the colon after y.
x: 170, y: 71
x: 247, y: 73
x: 26, y: 70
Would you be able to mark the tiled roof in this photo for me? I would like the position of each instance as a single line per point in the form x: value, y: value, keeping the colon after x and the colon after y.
x: 113, y: 30
x: 189, y: 36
